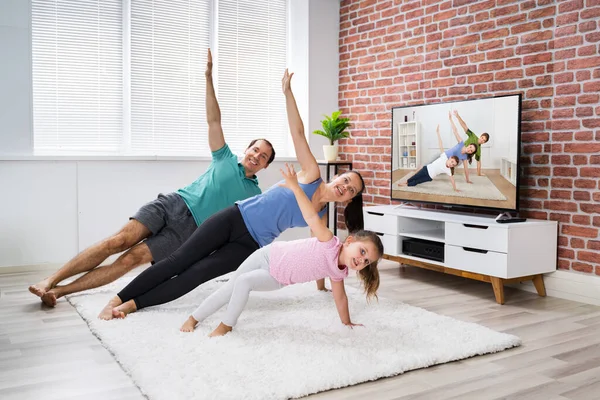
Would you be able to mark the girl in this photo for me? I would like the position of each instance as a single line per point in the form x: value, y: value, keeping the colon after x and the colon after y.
x: 227, y: 238
x: 442, y: 165
x: 304, y: 260
x: 463, y: 151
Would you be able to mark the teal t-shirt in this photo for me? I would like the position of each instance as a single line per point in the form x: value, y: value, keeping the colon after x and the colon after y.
x: 473, y: 139
x: 223, y: 183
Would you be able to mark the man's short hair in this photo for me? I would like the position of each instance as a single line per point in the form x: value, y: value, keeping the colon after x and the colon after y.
x: 270, y: 145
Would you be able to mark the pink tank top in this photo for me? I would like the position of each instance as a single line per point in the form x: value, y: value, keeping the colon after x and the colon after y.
x: 306, y: 260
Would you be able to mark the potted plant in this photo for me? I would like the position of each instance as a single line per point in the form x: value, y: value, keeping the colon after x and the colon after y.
x: 334, y: 128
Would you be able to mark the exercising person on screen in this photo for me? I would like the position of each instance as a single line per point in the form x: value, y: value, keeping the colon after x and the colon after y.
x: 473, y: 139
x: 442, y: 165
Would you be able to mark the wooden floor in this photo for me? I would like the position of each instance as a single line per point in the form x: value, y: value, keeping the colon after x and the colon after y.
x: 51, y: 354
x: 504, y: 186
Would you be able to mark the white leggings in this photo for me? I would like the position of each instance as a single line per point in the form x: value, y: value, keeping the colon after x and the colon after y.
x: 253, y: 274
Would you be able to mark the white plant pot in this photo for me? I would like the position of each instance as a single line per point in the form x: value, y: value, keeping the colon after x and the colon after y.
x: 330, y: 152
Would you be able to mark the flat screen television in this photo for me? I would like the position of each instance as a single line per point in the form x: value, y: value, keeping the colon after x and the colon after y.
x: 423, y: 162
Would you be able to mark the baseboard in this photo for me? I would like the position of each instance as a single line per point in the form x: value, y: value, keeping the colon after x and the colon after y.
x: 30, y: 268
x: 569, y: 286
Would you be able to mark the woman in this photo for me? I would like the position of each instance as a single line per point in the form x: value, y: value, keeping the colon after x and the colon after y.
x: 226, y: 239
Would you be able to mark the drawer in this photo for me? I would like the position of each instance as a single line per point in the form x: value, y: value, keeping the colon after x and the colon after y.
x: 391, y: 244
x: 477, y: 236
x: 381, y: 223
x: 477, y: 261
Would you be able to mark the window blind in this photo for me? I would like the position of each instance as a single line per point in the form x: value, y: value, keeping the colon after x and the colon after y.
x: 252, y: 55
x: 77, y: 73
x: 169, y: 42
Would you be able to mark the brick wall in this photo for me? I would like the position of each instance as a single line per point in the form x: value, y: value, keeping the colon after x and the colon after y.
x: 395, y: 53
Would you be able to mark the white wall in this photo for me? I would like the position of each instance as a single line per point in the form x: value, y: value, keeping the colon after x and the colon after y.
x: 51, y: 208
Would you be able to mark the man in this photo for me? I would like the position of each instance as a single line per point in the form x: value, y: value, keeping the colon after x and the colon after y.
x: 473, y: 139
x: 162, y: 225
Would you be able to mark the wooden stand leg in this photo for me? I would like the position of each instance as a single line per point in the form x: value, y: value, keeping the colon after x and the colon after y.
x: 498, y: 285
x: 538, y: 282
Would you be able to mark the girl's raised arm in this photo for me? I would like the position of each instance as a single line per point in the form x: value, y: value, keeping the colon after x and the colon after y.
x: 316, y: 225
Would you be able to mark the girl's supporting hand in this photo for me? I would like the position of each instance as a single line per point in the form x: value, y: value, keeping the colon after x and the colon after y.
x: 351, y: 325
x: 289, y: 174
x: 286, y: 82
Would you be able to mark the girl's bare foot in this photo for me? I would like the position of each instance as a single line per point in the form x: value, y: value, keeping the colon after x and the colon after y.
x: 221, y: 330
x: 124, y: 309
x: 189, y: 325
x: 40, y: 288
x: 49, y: 298
x: 107, y: 311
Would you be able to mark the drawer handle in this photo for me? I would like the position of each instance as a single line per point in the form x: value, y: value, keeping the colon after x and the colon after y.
x: 375, y: 213
x: 378, y: 233
x: 472, y: 250
x: 475, y: 226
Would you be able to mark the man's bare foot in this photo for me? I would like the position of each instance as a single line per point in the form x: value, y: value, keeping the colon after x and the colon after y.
x: 40, y: 288
x: 189, y: 325
x: 107, y: 311
x: 49, y: 298
x: 403, y: 184
x: 221, y: 330
x: 124, y: 309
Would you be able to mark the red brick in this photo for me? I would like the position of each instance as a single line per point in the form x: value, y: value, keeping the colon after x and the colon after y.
x: 590, y: 208
x: 585, y: 184
x: 560, y: 194
x: 560, y: 206
x: 563, y: 264
x: 580, y: 63
x: 582, y: 267
x: 561, y: 159
x: 594, y: 244
x: 577, y: 243
x: 566, y: 253
x: 590, y: 172
x: 579, y: 231
x: 588, y: 256
x: 582, y: 147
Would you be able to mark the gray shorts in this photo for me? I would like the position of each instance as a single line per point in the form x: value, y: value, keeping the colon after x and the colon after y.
x: 170, y: 221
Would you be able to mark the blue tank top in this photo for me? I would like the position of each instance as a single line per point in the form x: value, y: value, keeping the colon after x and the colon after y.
x: 272, y: 212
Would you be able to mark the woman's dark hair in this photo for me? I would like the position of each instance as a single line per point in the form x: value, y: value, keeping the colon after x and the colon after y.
x: 457, y: 161
x: 270, y: 145
x: 353, y: 213
x: 470, y: 156
x: 370, y: 274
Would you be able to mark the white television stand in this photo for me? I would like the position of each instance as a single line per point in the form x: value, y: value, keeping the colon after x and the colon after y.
x: 474, y: 246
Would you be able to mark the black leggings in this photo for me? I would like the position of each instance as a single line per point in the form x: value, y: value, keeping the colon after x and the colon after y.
x: 217, y: 247
x: 420, y: 177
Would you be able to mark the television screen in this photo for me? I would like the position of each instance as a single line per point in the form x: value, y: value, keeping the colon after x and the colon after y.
x: 463, y: 153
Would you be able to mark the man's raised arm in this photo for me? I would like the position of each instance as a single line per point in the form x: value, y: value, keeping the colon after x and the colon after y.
x: 216, y: 140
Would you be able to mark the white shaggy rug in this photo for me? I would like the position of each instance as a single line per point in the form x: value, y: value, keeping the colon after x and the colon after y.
x: 288, y: 343
x: 481, y: 188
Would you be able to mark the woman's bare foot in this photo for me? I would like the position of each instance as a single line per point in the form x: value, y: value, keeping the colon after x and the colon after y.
x: 40, y: 288
x: 107, y: 311
x: 124, y: 309
x: 221, y: 330
x: 189, y: 325
x: 402, y: 183
x: 49, y: 298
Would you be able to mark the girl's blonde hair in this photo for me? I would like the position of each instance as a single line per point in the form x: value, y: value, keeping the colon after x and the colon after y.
x: 370, y: 274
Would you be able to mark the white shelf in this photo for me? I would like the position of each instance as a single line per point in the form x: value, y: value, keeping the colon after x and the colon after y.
x: 436, y: 235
